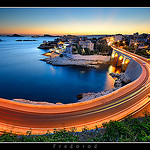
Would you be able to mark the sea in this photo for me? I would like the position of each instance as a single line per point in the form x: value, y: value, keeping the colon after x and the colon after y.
x: 24, y: 76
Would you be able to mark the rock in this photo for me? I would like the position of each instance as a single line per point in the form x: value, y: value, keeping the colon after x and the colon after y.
x: 114, y: 75
x: 111, y: 74
x: 121, y: 74
x: 122, y: 79
x: 65, y: 61
x: 79, y: 96
x: 110, y: 90
x: 126, y: 79
x: 118, y: 83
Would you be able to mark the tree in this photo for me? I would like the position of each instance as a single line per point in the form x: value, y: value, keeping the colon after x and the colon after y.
x: 80, y: 50
x: 103, y: 48
x: 87, y: 51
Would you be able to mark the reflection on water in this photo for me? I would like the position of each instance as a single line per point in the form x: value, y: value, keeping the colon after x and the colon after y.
x: 109, y: 80
x: 82, y: 72
x: 109, y: 83
x: 52, y: 69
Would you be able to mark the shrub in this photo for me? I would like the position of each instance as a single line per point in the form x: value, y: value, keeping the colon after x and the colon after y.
x: 115, y: 130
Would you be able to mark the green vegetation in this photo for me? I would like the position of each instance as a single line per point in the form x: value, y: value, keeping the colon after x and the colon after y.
x: 144, y: 53
x: 85, y: 51
x: 57, y: 136
x: 129, y: 48
x: 127, y: 130
x: 103, y: 48
x: 100, y: 48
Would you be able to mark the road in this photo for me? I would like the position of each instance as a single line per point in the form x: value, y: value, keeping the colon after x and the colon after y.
x: 20, y: 117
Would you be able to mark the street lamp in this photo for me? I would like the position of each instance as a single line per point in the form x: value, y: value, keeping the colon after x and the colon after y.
x: 135, y: 47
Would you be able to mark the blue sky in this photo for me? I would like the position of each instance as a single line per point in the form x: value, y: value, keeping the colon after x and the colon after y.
x: 74, y: 20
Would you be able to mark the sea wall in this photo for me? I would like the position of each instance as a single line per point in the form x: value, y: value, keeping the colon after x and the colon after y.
x: 133, y: 70
x: 90, y: 57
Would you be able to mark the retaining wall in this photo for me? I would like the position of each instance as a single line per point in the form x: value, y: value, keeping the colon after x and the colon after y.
x: 133, y: 70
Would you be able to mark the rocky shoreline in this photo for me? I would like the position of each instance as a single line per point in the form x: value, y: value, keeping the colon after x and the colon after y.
x: 35, y: 102
x: 122, y: 79
x: 66, y: 61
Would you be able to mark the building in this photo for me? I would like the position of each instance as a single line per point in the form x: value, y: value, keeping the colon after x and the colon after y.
x: 69, y: 49
x: 133, y: 42
x: 142, y: 46
x: 87, y: 44
x: 60, y: 44
x: 118, y: 37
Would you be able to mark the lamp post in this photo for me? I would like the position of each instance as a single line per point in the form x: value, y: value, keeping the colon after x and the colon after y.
x: 135, y: 47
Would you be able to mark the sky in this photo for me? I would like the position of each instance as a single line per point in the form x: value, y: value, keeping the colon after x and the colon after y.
x: 75, y: 21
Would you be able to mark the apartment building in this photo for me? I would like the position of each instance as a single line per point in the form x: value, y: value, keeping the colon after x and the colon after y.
x: 87, y: 44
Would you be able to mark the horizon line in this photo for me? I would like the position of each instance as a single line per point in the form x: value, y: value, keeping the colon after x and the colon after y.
x: 67, y: 34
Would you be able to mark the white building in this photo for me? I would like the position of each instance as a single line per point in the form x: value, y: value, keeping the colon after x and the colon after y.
x: 69, y: 49
x: 87, y: 44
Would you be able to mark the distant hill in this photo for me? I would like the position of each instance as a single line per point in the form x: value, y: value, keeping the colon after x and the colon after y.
x: 16, y: 35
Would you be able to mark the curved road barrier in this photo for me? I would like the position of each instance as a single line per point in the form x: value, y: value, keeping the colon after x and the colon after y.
x: 22, y: 117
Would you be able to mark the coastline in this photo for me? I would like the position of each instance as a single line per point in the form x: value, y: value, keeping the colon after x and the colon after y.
x: 35, y: 102
x: 55, y: 60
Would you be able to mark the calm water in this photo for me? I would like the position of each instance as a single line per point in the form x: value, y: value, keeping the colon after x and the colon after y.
x: 22, y: 75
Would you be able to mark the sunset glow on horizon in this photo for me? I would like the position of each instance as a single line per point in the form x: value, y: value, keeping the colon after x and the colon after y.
x: 76, y: 21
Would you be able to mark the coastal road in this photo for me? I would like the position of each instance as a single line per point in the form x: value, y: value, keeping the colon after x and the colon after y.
x: 20, y: 117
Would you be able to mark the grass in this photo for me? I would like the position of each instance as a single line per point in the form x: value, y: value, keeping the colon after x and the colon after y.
x: 127, y: 130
